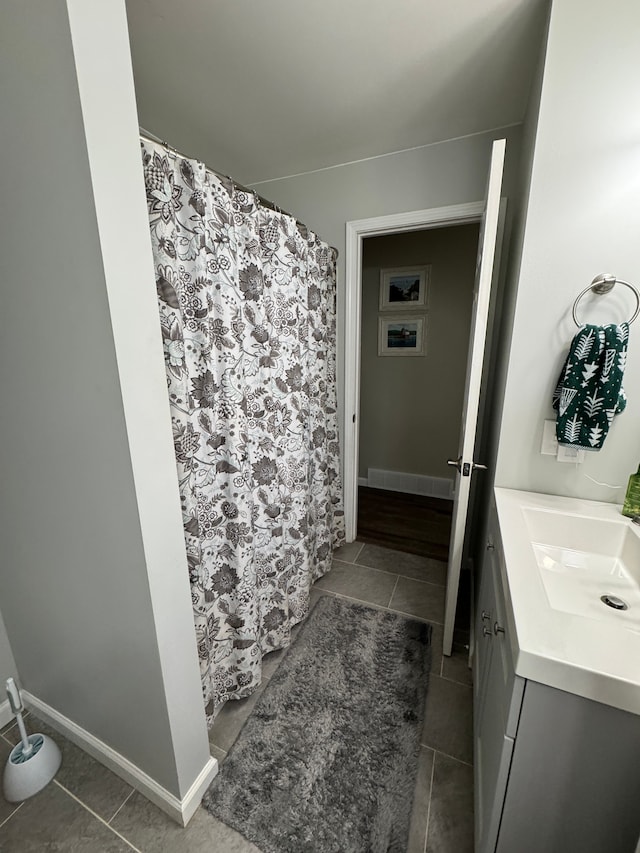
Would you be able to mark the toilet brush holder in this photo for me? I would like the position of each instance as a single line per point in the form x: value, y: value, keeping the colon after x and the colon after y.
x: 33, y: 762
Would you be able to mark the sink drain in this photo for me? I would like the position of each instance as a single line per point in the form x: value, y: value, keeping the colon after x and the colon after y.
x: 614, y: 601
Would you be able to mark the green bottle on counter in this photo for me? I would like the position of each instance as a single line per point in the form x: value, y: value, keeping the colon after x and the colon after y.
x: 632, y: 498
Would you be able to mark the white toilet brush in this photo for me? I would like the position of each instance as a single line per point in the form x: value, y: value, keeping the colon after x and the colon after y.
x: 33, y: 762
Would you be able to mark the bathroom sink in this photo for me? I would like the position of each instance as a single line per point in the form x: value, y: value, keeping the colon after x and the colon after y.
x: 558, y: 558
x: 589, y: 567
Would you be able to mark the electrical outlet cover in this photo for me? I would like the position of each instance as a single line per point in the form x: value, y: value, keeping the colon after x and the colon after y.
x: 549, y: 441
x: 570, y: 454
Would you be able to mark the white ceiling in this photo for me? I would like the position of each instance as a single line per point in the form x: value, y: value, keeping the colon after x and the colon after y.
x: 261, y: 89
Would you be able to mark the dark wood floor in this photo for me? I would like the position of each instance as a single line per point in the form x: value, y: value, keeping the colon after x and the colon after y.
x: 417, y: 525
x: 411, y: 523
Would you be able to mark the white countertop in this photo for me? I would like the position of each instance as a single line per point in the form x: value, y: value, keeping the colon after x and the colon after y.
x: 599, y: 660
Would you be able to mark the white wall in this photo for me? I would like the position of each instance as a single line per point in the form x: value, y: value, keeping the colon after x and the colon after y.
x: 107, y: 95
x: 7, y: 663
x: 7, y: 669
x: 94, y: 587
x: 582, y: 218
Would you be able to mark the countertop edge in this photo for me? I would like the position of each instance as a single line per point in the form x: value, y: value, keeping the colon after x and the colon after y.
x: 534, y: 664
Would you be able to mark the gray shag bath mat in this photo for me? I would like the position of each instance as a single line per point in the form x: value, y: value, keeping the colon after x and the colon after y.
x: 327, y: 761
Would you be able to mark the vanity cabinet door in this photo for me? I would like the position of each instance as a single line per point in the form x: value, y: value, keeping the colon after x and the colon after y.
x: 497, y: 699
x: 492, y: 747
x: 574, y: 783
x: 484, y: 614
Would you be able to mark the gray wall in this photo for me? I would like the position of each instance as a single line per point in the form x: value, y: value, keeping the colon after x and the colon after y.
x: 497, y: 355
x: 410, y: 408
x: 446, y: 173
x: 451, y: 172
x: 87, y: 576
x: 582, y: 218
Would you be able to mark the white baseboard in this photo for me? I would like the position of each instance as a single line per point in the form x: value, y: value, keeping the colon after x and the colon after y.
x: 5, y: 713
x: 180, y: 810
x: 411, y: 484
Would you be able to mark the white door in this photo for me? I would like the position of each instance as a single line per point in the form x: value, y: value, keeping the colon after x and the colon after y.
x: 465, y: 462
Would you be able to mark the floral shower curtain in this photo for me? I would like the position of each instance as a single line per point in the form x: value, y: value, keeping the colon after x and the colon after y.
x: 247, y: 311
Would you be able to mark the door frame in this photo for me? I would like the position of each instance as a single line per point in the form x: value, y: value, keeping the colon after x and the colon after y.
x: 356, y: 231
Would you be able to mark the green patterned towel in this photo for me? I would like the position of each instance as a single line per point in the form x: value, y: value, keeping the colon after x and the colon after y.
x: 589, y: 391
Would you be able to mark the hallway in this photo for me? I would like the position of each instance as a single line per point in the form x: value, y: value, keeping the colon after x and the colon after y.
x: 416, y: 524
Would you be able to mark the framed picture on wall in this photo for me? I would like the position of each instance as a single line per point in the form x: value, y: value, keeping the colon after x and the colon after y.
x: 404, y: 288
x: 402, y: 334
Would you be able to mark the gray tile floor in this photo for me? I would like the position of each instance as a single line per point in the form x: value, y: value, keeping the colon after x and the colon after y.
x: 89, y: 809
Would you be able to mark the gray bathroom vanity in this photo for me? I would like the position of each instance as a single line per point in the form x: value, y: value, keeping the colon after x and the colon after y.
x: 557, y: 679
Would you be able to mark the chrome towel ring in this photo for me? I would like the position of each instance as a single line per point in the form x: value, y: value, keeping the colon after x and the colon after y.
x: 604, y: 283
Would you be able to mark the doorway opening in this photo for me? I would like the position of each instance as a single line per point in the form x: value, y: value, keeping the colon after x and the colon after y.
x: 491, y: 214
x: 416, y: 311
x: 357, y: 232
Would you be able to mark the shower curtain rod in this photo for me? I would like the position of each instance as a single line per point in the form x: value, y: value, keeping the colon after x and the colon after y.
x: 151, y: 137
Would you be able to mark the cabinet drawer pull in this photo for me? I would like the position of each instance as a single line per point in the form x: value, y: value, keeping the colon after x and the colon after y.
x: 486, y: 617
x: 486, y: 631
x: 497, y: 629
